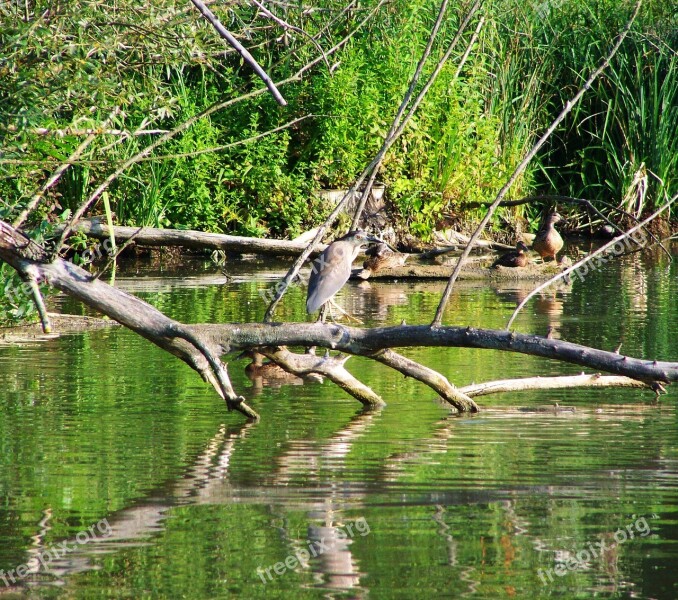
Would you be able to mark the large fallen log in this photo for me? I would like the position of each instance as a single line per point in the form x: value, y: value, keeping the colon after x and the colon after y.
x: 97, y: 228
x: 200, y: 240
x: 202, y: 345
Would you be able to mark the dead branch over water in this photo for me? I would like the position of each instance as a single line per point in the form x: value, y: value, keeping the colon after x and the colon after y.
x: 201, y: 346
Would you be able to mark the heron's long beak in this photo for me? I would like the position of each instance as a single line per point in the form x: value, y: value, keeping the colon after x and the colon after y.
x: 376, y: 240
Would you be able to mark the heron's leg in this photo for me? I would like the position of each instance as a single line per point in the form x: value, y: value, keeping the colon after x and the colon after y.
x: 343, y: 312
x: 322, y: 313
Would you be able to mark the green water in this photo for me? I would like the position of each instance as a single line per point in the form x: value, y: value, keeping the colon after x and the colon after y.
x: 120, y: 452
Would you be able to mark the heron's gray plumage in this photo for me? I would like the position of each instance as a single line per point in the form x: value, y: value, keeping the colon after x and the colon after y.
x: 331, y: 270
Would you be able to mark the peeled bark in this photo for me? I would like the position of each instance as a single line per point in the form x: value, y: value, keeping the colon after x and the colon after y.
x: 150, y: 236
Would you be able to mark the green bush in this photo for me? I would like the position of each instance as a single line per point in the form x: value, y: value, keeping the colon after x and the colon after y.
x: 158, y: 68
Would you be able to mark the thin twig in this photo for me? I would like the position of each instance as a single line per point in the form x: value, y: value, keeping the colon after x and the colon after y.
x: 61, y: 169
x: 247, y: 57
x: 423, y: 92
x: 437, y: 320
x: 73, y: 131
x: 190, y: 121
x: 570, y: 199
x: 401, y: 109
x: 113, y: 258
x: 248, y: 140
x: 386, y: 145
x: 589, y: 257
x: 286, y: 25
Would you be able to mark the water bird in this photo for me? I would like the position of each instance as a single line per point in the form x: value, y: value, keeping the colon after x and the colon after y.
x: 514, y: 258
x: 548, y: 242
x: 266, y: 370
x: 381, y: 257
x: 331, y: 270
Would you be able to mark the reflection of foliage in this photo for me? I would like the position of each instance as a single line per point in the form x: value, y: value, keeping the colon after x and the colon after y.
x: 501, y: 483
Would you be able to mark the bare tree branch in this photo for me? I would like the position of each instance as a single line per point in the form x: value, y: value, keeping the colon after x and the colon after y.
x: 249, y: 59
x: 569, y: 105
x: 254, y: 138
x: 286, y: 25
x: 59, y: 172
x: 501, y: 386
x: 331, y: 367
x: 431, y: 378
x: 74, y: 131
x: 40, y: 305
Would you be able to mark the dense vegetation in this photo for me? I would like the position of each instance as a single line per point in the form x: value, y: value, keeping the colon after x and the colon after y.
x: 66, y: 68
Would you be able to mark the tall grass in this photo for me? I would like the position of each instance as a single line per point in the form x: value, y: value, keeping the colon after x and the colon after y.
x: 621, y: 144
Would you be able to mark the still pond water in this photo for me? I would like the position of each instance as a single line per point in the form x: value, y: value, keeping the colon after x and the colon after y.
x: 124, y: 472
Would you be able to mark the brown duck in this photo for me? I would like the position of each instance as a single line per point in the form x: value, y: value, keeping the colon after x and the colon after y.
x: 380, y: 257
x: 548, y: 242
x: 267, y: 370
x: 515, y: 258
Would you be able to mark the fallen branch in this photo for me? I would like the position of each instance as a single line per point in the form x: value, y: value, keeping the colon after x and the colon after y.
x: 365, y: 342
x: 32, y: 261
x: 472, y: 271
x: 150, y: 236
x: 553, y: 383
x: 431, y: 378
x: 331, y: 367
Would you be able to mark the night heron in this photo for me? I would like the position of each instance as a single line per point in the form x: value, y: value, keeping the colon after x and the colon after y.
x: 515, y: 258
x: 548, y: 242
x: 331, y: 270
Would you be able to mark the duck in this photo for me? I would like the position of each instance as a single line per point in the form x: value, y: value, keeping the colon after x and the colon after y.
x: 548, y: 242
x: 267, y: 370
x: 380, y: 257
x: 515, y: 258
